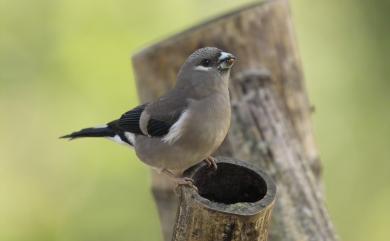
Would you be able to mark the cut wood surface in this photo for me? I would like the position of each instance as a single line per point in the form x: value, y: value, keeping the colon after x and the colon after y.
x: 271, y: 125
x: 237, y: 208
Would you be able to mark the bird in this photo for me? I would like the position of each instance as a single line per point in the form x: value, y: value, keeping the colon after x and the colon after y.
x: 183, y: 127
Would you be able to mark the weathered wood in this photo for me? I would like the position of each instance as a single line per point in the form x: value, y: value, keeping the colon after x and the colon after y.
x: 234, y: 203
x: 271, y: 124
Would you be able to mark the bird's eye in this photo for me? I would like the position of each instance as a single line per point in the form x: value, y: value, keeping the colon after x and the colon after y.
x: 205, y: 62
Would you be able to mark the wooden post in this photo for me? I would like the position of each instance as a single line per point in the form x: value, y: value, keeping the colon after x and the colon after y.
x: 234, y: 203
x: 271, y: 124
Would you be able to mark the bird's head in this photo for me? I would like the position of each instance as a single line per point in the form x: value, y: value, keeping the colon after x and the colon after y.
x: 207, y: 66
x: 210, y: 59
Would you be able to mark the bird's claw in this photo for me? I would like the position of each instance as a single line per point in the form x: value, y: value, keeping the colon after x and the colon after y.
x: 187, y: 181
x: 211, y: 162
x: 179, y: 180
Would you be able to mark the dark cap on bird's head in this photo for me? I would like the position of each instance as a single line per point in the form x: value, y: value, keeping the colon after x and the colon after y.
x: 210, y: 58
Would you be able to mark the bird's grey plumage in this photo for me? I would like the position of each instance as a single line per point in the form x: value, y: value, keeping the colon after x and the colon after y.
x: 186, y: 125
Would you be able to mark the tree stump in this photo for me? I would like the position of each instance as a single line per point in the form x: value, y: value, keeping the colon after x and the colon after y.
x: 271, y: 126
x: 234, y: 203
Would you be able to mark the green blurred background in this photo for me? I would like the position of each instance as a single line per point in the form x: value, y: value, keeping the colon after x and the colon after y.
x: 64, y: 64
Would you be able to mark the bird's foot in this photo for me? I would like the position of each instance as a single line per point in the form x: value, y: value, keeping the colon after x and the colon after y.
x: 185, y: 181
x: 211, y: 162
x: 180, y: 180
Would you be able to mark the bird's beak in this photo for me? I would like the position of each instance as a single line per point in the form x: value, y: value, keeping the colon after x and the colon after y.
x: 226, y: 61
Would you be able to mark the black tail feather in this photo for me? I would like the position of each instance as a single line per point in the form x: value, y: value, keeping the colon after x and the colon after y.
x: 91, y: 132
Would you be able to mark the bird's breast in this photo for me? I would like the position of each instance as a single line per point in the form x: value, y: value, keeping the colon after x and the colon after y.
x: 210, y: 122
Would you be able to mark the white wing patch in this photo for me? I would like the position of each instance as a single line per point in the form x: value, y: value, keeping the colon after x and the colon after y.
x: 117, y: 139
x: 202, y: 68
x: 176, y: 130
x: 130, y: 137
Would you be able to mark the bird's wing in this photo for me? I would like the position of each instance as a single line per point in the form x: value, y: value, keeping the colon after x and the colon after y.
x: 161, y: 115
x: 129, y: 121
x: 164, y: 113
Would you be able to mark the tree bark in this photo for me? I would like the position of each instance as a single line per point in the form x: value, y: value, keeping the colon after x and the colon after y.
x: 271, y: 125
x: 237, y: 208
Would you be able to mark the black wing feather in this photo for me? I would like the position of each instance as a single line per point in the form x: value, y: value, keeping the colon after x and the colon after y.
x: 130, y: 122
x: 158, y: 128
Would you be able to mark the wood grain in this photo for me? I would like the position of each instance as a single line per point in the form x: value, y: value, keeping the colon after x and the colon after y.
x: 237, y: 208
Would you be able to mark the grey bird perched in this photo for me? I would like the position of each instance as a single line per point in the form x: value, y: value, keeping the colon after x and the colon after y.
x: 183, y: 127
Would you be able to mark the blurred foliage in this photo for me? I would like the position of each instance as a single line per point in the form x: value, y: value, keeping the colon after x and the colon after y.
x: 65, y: 65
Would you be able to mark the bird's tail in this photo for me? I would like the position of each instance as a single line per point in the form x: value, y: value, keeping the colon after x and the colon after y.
x: 105, y: 131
